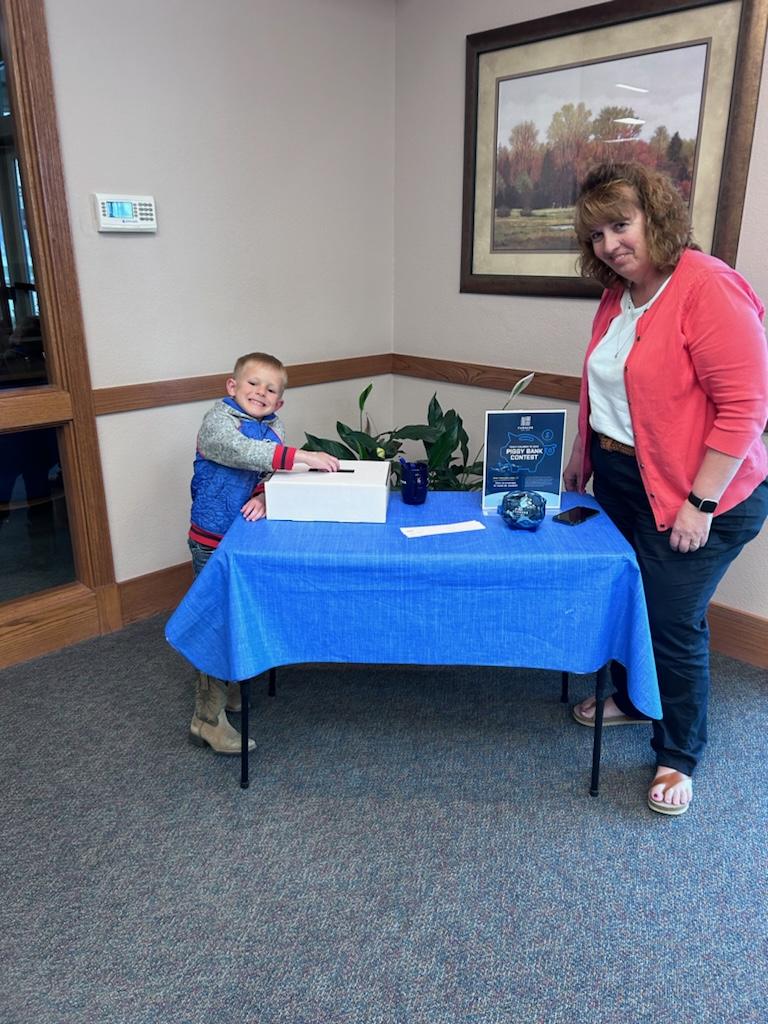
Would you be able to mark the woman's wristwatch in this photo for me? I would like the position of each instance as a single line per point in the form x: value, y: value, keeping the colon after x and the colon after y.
x: 708, y: 505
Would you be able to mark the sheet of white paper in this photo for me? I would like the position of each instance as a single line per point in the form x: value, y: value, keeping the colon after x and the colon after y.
x: 427, y: 531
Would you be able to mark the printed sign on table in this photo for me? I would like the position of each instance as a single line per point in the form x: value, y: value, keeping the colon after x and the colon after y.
x: 523, y: 452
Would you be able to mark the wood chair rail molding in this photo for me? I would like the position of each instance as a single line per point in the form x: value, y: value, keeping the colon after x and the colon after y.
x: 478, y: 375
x: 131, y: 397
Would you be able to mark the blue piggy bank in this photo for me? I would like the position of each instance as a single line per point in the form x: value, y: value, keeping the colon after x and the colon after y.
x: 522, y: 510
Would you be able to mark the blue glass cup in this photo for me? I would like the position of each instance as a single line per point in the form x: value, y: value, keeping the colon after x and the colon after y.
x: 413, y: 482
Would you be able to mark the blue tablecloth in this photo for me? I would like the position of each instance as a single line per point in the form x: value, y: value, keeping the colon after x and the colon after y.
x: 281, y: 593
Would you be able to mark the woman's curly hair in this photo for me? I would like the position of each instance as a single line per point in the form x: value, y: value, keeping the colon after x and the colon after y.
x: 608, y: 193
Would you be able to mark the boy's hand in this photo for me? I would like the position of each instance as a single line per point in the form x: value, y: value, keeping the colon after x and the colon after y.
x: 255, y: 508
x: 317, y: 460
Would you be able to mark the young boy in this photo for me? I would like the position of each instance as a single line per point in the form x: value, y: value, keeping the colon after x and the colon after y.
x: 239, y: 444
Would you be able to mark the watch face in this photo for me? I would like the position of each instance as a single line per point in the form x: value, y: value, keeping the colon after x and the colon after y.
x: 702, y: 504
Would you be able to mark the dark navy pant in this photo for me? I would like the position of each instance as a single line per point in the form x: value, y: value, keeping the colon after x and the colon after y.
x: 678, y: 588
x: 200, y: 556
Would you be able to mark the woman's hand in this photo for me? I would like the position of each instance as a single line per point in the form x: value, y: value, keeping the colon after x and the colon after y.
x: 691, y: 529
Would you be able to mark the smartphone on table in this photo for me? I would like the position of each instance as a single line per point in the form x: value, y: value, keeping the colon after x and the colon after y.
x: 576, y: 515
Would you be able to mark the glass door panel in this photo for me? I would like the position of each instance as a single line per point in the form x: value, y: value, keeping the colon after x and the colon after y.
x: 35, y: 545
x: 22, y: 360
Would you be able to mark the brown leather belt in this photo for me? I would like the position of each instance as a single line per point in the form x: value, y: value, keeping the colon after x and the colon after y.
x: 615, y: 446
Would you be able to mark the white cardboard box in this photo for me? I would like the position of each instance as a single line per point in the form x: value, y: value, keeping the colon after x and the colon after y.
x: 359, y: 496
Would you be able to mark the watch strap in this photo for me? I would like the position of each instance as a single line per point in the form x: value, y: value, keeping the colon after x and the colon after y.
x: 708, y: 505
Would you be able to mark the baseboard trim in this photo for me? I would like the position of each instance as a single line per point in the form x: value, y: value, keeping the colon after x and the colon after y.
x: 154, y: 593
x: 734, y: 633
x: 54, y: 619
x: 42, y: 623
x: 739, y: 634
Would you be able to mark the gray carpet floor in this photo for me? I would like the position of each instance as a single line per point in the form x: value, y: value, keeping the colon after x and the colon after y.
x: 417, y: 846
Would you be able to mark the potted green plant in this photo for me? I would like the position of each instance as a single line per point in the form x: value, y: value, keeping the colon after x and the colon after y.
x: 446, y: 443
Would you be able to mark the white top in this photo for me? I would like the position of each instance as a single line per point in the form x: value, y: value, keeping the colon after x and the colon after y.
x: 609, y: 410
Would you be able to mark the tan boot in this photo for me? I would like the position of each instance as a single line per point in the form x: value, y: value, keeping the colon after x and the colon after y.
x: 234, y: 703
x: 210, y: 724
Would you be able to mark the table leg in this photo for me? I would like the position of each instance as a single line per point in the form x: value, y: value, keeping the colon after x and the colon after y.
x: 272, y: 681
x: 564, y: 689
x: 245, y: 700
x: 601, y: 690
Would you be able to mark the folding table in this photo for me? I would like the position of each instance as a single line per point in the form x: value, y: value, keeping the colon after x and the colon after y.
x: 568, y: 598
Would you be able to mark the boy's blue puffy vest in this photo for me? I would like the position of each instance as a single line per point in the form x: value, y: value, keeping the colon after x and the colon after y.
x: 219, y: 492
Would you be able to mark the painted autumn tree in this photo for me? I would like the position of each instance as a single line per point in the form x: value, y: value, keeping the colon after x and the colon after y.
x: 660, y: 143
x: 525, y: 161
x: 568, y: 137
x: 611, y: 125
x: 537, y: 178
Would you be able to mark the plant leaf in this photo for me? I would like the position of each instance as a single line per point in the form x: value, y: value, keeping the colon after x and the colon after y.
x: 434, y: 412
x: 464, y: 445
x: 518, y: 388
x: 361, y: 442
x: 364, y: 397
x: 388, y: 450
x: 452, y: 425
x: 440, y: 452
x: 325, y: 444
x: 417, y: 432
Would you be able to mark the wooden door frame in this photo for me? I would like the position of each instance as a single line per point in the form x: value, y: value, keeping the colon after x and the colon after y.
x: 54, y: 618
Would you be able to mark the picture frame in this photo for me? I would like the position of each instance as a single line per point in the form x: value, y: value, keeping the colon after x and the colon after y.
x: 540, y: 96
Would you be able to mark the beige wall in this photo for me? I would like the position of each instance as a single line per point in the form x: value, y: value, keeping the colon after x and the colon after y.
x: 431, y: 316
x: 306, y: 158
x: 265, y: 132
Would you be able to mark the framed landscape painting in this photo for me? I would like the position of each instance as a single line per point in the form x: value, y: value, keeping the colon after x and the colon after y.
x: 673, y: 85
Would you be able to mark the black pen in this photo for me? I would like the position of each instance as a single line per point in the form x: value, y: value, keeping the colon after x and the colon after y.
x: 328, y: 471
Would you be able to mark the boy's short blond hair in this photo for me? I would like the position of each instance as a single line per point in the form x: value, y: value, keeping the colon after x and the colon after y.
x: 265, y: 359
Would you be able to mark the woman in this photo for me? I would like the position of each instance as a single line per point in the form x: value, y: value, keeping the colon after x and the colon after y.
x: 674, y: 400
